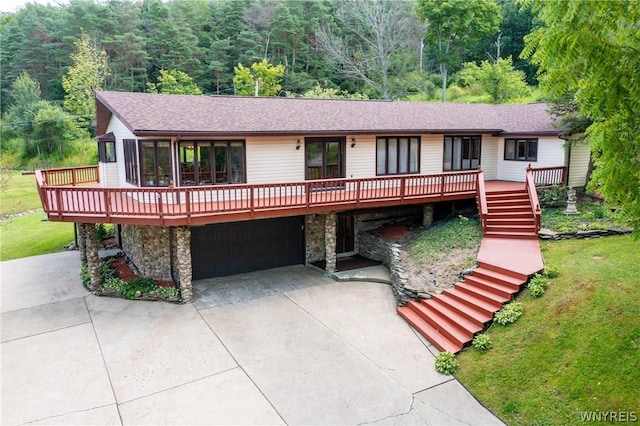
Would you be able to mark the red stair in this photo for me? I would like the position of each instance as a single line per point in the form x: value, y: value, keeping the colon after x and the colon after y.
x: 451, y: 319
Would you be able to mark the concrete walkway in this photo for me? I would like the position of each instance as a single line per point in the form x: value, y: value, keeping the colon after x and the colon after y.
x: 305, y: 350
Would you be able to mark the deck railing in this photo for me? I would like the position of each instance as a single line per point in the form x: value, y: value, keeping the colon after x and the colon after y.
x: 549, y: 176
x: 71, y: 176
x: 184, y: 205
x: 481, y: 197
x: 530, y: 185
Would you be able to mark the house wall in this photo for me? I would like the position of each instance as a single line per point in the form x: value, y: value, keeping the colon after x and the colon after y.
x: 109, y: 173
x: 361, y: 159
x: 121, y: 132
x: 274, y: 159
x: 491, y: 151
x: 550, y: 154
x: 578, y: 165
x: 431, y: 154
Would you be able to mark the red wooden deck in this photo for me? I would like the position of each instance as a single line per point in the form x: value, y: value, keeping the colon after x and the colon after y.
x: 227, y: 203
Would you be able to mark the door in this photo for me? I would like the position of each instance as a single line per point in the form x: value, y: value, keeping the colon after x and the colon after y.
x: 324, y: 158
x: 345, y: 234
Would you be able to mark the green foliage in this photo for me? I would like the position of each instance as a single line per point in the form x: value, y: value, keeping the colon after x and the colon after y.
x: 175, y: 82
x: 446, y: 363
x: 437, y: 241
x: 592, y: 215
x: 498, y: 79
x: 537, y: 285
x: 481, y: 342
x: 268, y: 77
x: 319, y: 92
x: 86, y: 75
x: 448, y: 31
x: 589, y: 49
x: 550, y: 272
x: 509, y: 313
x: 552, y: 197
x: 54, y: 130
x: 104, y: 231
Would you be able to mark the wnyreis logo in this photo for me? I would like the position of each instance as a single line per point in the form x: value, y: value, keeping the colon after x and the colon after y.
x: 609, y: 416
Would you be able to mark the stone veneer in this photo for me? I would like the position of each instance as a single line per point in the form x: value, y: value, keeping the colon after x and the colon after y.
x: 314, y: 237
x: 389, y: 254
x: 182, y: 261
x: 148, y: 249
x: 330, y: 241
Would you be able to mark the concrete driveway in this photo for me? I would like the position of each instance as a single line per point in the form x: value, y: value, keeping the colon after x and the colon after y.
x: 304, y: 350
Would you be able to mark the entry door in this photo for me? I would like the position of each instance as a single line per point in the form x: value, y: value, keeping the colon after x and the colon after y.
x: 324, y: 158
x: 345, y: 234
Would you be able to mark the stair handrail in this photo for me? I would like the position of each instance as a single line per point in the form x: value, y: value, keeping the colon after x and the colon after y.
x: 481, y: 195
x: 530, y: 185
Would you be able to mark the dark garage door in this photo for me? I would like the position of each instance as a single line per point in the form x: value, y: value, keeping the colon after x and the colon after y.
x: 233, y: 248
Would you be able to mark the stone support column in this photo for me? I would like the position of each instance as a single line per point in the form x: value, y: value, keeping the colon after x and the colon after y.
x: 183, y: 255
x: 330, y: 241
x: 427, y: 215
x: 93, y: 259
x: 82, y: 244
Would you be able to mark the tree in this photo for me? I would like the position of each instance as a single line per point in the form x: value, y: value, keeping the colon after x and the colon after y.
x: 84, y: 78
x: 498, y: 79
x: 371, y: 40
x: 455, y: 25
x: 175, y: 82
x: 53, y: 130
x: 25, y: 102
x: 592, y: 49
x: 320, y: 92
x: 262, y: 79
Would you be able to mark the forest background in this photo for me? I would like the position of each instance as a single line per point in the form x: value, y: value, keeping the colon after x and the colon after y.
x: 53, y: 57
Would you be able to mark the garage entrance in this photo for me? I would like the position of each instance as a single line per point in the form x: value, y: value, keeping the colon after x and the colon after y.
x: 233, y: 248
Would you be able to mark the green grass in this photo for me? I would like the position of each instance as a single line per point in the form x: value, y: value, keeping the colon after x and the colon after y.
x: 20, y: 195
x: 574, y: 350
x: 437, y: 242
x: 28, y: 235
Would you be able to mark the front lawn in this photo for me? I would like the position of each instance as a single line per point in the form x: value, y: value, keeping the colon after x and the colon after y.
x: 20, y: 195
x: 28, y: 235
x: 576, y: 349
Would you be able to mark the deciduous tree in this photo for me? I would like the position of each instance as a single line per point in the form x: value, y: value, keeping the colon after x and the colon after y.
x: 84, y: 78
x: 455, y: 25
x: 267, y: 78
x: 175, y: 82
x: 592, y: 49
x: 498, y: 79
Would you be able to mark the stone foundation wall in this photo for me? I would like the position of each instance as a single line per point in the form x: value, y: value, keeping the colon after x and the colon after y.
x: 148, y: 249
x: 390, y: 255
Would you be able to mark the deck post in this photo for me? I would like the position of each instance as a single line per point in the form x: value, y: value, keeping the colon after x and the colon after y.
x: 93, y: 259
x: 427, y: 215
x: 330, y: 242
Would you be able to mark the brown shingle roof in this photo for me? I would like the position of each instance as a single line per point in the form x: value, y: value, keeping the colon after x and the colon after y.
x: 159, y: 114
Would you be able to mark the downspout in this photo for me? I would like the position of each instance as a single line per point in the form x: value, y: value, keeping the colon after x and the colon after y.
x: 171, y: 268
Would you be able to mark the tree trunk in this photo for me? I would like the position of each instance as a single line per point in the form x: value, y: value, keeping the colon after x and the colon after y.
x: 443, y: 73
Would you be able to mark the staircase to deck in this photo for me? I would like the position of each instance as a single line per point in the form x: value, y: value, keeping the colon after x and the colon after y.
x: 508, y: 255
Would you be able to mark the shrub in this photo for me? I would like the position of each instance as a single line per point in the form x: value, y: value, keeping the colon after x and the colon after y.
x: 509, y: 313
x: 550, y: 272
x: 535, y: 289
x: 482, y: 342
x: 446, y: 363
x: 552, y: 197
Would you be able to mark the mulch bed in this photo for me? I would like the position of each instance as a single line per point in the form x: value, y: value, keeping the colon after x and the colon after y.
x: 125, y: 272
x: 394, y: 234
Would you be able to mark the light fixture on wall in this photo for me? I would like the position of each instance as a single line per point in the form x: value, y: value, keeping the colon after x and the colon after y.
x: 298, y: 144
x: 353, y: 142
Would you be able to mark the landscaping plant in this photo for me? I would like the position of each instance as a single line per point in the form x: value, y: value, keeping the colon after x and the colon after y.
x: 446, y: 363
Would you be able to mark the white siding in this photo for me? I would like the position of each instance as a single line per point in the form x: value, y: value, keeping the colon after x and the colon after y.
x: 274, y: 159
x: 361, y: 159
x: 121, y: 132
x: 431, y: 154
x: 109, y: 174
x: 579, y: 165
x: 550, y: 154
x: 491, y: 149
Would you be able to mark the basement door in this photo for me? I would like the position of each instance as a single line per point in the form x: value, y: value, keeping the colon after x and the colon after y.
x: 233, y: 248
